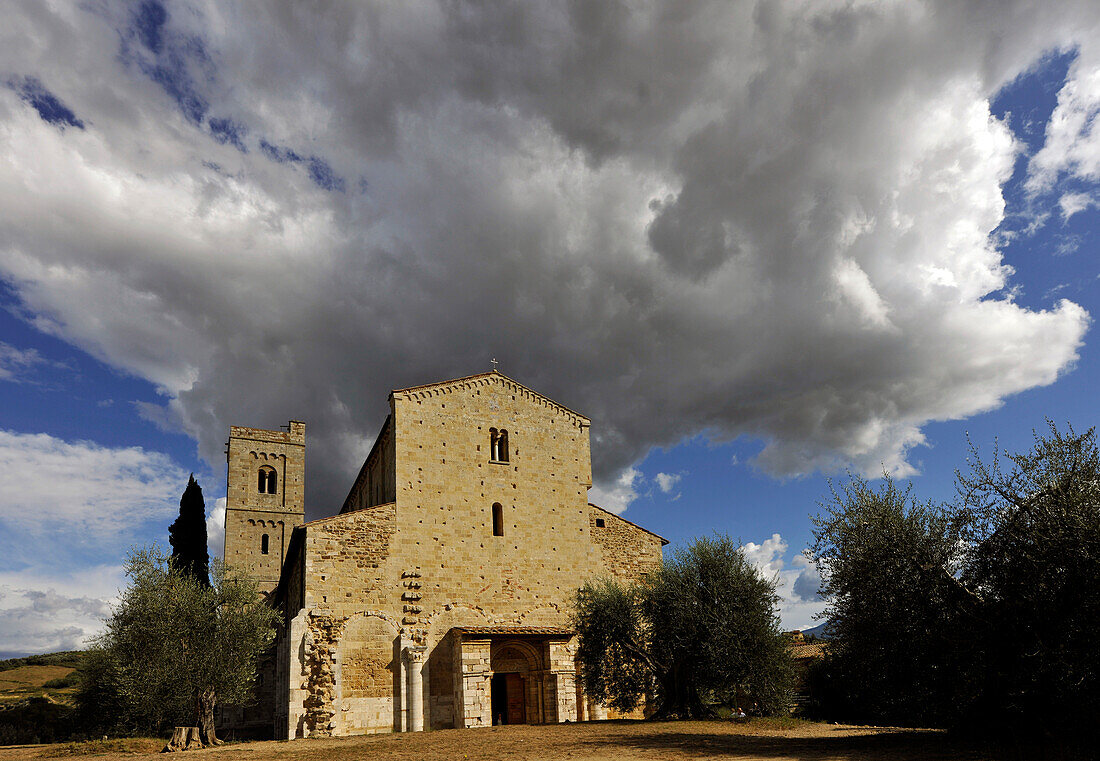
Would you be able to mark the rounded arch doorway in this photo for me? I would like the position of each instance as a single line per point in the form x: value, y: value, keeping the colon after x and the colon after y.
x: 515, y: 685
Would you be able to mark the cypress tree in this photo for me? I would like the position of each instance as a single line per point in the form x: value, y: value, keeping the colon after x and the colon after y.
x: 188, y: 535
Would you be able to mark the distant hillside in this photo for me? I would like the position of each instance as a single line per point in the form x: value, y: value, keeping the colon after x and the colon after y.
x: 35, y: 697
x: 817, y: 631
x: 69, y: 659
x: 51, y: 675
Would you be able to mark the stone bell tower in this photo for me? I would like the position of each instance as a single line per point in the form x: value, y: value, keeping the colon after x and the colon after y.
x: 265, y: 498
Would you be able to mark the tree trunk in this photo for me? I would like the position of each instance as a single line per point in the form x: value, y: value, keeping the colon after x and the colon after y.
x: 183, y: 738
x: 205, y: 705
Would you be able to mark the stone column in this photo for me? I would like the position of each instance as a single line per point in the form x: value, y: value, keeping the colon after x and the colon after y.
x: 414, y: 669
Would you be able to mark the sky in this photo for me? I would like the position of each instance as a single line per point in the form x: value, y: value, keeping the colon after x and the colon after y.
x: 761, y: 245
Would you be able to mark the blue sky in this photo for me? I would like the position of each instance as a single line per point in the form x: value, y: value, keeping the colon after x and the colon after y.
x: 760, y: 245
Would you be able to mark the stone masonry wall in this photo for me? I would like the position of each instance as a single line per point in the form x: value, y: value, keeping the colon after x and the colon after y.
x: 447, y: 486
x: 429, y: 561
x: 250, y: 514
x: 626, y: 551
x: 375, y: 483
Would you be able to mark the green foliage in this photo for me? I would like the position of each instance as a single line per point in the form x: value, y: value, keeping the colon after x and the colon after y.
x: 173, y: 640
x: 982, y: 613
x: 888, y: 564
x: 35, y: 720
x: 100, y: 708
x: 72, y: 679
x: 1036, y: 564
x: 613, y: 635
x: 187, y: 534
x: 701, y: 630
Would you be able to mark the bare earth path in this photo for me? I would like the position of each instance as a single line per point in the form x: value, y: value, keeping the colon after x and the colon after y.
x: 697, y: 740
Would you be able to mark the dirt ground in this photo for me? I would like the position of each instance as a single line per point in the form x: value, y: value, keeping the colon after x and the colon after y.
x: 698, y: 740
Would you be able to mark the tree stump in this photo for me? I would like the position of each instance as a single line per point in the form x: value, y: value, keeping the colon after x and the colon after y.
x: 183, y: 738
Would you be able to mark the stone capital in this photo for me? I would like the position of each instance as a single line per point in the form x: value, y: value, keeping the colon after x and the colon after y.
x: 413, y: 654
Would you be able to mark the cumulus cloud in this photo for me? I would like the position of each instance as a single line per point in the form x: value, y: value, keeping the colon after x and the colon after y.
x: 666, y: 482
x: 769, y: 556
x: 618, y: 496
x: 82, y: 487
x: 796, y: 583
x: 215, y: 528
x: 807, y: 585
x: 35, y: 617
x: 80, y: 503
x: 746, y: 219
x: 1072, y: 144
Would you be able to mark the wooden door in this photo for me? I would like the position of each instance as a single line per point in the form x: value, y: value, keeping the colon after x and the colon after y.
x: 516, y: 699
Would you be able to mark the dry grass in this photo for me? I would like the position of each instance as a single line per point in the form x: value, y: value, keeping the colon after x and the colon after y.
x: 29, y: 681
x: 630, y: 741
x: 119, y: 746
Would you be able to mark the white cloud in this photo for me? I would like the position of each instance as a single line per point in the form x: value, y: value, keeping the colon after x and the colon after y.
x: 14, y: 363
x: 617, y: 496
x: 65, y: 509
x: 807, y: 585
x: 764, y: 220
x: 667, y: 481
x: 81, y: 488
x: 35, y: 617
x: 1073, y: 203
x: 768, y: 556
x: 1072, y: 144
x: 797, y: 584
x: 215, y: 528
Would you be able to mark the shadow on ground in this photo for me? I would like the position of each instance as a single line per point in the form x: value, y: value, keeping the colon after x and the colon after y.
x: 896, y: 745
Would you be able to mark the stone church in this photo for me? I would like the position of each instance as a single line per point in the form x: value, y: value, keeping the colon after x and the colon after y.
x: 439, y: 596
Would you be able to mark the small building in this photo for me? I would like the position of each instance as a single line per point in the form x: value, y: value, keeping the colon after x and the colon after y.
x: 440, y: 594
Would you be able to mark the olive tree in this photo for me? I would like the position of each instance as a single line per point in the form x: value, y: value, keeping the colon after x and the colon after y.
x: 702, y: 630
x: 1035, y: 562
x: 895, y: 607
x: 175, y: 645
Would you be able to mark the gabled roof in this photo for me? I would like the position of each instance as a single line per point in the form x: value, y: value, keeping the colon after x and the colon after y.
x: 492, y: 377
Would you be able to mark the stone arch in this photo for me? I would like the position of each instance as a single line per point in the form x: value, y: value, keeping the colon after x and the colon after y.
x: 514, y: 655
x: 518, y: 680
x: 366, y: 671
x: 547, y: 615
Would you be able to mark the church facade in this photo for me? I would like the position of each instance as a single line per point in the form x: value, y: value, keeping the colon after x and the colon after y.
x: 440, y: 594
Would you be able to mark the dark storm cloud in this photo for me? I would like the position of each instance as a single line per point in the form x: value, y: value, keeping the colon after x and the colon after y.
x: 765, y: 219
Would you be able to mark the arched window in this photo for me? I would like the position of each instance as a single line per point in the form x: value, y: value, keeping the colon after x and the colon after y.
x: 498, y: 519
x: 268, y: 480
x: 492, y: 444
x: 502, y: 446
x: 263, y: 544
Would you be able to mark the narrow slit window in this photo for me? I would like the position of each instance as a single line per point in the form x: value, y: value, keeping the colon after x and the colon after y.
x: 263, y: 544
x: 498, y: 519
